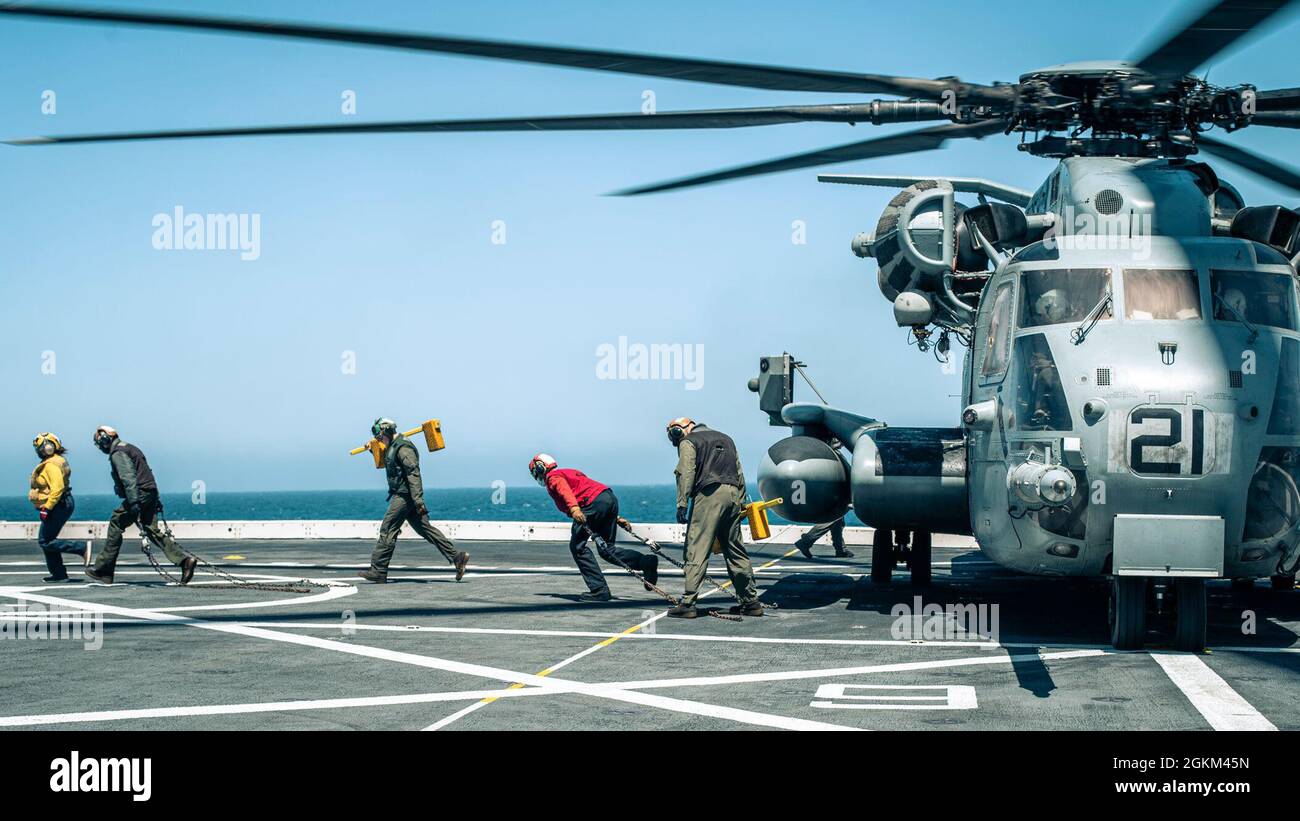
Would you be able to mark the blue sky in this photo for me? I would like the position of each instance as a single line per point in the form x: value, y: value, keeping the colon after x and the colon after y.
x: 229, y: 371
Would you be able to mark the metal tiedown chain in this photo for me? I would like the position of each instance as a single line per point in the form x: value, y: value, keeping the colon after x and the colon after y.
x: 658, y: 551
x: 236, y: 583
x: 669, y: 597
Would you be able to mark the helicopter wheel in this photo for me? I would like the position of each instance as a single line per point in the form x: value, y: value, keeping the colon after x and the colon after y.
x: 1189, y: 630
x: 1128, y: 612
x: 920, y: 561
x: 1282, y: 582
x: 882, y: 556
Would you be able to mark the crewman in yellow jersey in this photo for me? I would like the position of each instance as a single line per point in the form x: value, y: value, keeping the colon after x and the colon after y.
x: 51, y: 494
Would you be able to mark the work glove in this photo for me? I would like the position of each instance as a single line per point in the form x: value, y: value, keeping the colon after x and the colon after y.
x: 624, y: 523
x: 133, y: 508
x: 681, y: 515
x: 44, y: 513
x: 421, y: 509
x: 578, y: 515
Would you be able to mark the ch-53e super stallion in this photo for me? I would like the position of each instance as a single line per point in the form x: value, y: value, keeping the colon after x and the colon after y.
x: 1131, y: 388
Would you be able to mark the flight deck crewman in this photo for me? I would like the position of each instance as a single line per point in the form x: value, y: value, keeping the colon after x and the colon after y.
x: 593, y: 507
x: 134, y: 484
x: 51, y: 493
x: 405, y: 505
x: 710, y: 479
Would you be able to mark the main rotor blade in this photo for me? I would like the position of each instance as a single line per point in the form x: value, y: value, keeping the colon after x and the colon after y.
x: 747, y: 75
x: 1271, y: 170
x: 1217, y: 28
x: 877, y: 113
x: 1277, y: 99
x: 1277, y: 119
x: 905, y: 143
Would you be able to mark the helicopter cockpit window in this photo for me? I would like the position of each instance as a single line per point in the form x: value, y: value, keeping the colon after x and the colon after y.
x: 1161, y: 294
x: 1253, y: 296
x: 996, y: 348
x: 1284, y: 418
x: 1065, y: 295
x: 1040, y: 397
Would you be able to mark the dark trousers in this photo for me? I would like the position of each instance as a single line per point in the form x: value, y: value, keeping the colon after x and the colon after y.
x: 146, y: 518
x: 48, y: 537
x: 836, y: 529
x: 401, y: 510
x: 602, y: 519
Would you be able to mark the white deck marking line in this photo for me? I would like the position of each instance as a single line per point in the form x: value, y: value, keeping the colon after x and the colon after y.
x: 335, y: 592
x: 636, y: 628
x: 833, y: 672
x: 261, y: 707
x: 1212, y: 697
x: 1291, y: 649
x: 508, y: 631
x: 448, y: 665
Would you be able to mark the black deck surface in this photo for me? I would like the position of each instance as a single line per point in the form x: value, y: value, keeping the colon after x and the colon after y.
x: 511, y: 648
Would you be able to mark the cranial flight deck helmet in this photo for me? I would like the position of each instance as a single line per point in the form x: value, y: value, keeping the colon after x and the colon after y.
x: 540, y: 465
x: 47, y: 444
x: 104, y: 438
x: 677, y: 429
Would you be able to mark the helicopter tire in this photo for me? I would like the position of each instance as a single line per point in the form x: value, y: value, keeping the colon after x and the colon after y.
x: 1128, y: 612
x: 1282, y: 582
x: 882, y: 556
x: 1189, y: 629
x: 921, y: 562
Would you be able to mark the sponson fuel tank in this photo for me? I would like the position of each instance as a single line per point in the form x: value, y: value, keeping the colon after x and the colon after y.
x: 911, y: 479
x: 809, y: 475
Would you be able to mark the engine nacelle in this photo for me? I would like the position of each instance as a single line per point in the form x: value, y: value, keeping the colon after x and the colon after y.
x: 809, y: 475
x: 911, y: 479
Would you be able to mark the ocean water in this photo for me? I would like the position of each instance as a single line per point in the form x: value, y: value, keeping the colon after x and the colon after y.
x: 638, y: 503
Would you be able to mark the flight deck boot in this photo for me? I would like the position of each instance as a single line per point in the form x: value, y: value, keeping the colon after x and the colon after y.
x: 684, y: 611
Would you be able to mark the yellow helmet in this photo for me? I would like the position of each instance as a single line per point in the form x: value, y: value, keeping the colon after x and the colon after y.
x: 47, y: 444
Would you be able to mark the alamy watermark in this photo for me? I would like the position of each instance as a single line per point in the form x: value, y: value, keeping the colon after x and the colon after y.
x: 182, y: 231
x: 919, y: 621
x: 681, y: 362
x: 1085, y: 230
x: 36, y: 623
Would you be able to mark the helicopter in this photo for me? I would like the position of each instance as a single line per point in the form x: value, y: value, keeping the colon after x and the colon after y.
x: 1131, y: 381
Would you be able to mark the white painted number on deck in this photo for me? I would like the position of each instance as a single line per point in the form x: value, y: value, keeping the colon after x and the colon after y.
x: 895, y: 697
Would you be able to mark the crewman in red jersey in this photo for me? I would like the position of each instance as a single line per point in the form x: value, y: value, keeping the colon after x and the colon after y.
x: 594, y: 509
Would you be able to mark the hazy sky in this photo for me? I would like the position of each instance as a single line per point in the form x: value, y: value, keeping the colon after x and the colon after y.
x: 231, y: 371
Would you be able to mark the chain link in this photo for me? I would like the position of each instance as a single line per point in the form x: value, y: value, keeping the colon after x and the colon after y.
x: 658, y: 551
x: 641, y: 577
x: 233, y: 582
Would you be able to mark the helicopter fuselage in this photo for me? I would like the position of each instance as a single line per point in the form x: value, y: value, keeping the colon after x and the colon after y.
x: 1177, y: 398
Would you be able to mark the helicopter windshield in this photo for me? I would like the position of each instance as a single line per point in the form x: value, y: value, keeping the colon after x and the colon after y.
x: 1285, y: 416
x: 1161, y: 294
x: 1259, y: 298
x: 1040, y: 397
x: 1051, y: 297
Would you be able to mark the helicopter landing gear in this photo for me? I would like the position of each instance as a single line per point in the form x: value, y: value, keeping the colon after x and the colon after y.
x: 919, y: 559
x: 1128, y: 612
x: 1189, y: 628
x: 890, y: 547
x: 1282, y: 582
x: 882, y: 556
